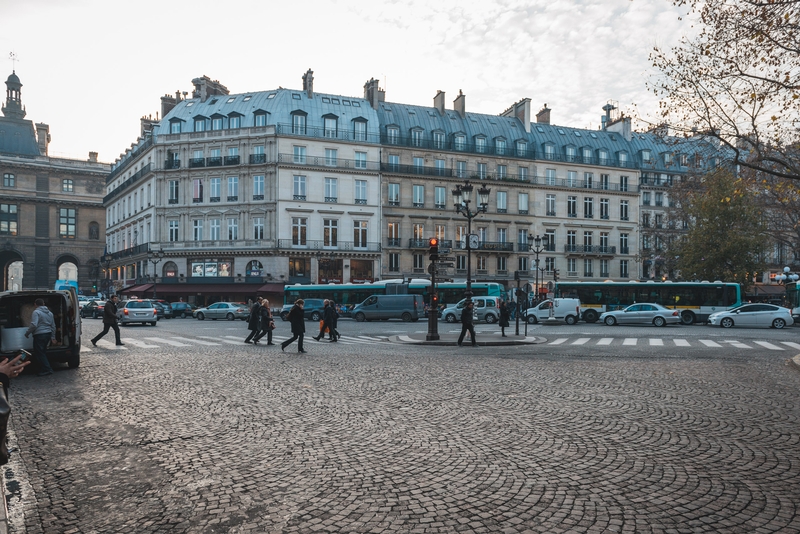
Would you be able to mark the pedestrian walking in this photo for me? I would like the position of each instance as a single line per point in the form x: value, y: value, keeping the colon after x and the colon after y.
x: 254, y: 322
x: 109, y: 321
x: 297, y: 319
x: 334, y: 322
x: 512, y: 309
x: 467, y: 324
x: 267, y: 323
x: 325, y: 322
x: 503, y: 317
x: 43, y: 328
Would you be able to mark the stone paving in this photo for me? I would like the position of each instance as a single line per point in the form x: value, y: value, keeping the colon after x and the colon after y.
x: 407, y: 439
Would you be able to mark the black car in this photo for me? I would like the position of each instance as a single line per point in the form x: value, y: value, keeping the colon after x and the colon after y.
x: 312, y: 310
x: 93, y: 309
x: 163, y: 308
x: 182, y: 310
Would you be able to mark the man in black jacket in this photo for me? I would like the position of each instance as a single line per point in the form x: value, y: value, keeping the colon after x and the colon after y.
x: 109, y: 321
x: 467, y: 324
x: 298, y: 321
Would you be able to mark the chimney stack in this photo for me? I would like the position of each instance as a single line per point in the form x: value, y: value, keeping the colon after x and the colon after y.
x: 438, y: 102
x: 205, y: 87
x: 373, y: 93
x: 92, y: 157
x: 308, y: 83
x: 522, y: 111
x: 43, y: 137
x: 544, y: 115
x: 460, y: 104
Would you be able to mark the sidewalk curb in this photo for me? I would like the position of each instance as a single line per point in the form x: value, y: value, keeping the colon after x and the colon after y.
x: 795, y: 362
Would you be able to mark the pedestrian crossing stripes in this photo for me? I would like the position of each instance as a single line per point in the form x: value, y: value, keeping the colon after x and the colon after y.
x: 678, y: 342
x: 153, y: 342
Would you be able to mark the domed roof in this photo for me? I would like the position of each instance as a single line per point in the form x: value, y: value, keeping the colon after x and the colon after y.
x: 13, y: 79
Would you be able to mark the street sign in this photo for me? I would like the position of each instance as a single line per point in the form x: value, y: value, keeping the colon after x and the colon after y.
x: 440, y: 265
x: 447, y: 258
x: 441, y: 271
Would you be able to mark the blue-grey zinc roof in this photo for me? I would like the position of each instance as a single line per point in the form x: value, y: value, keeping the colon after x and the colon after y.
x: 279, y: 108
x: 18, y: 137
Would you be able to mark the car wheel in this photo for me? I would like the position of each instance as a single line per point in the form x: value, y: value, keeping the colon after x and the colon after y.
x: 727, y: 322
x: 659, y: 321
x: 315, y: 316
x: 610, y: 320
x: 183, y: 315
x: 230, y: 316
x: 360, y: 317
x: 285, y: 316
x: 450, y: 318
x: 590, y: 316
x: 687, y: 317
x: 94, y: 315
x: 532, y: 319
x: 778, y: 323
x: 571, y: 319
x: 490, y: 319
x: 153, y: 323
x: 406, y: 317
x: 201, y: 316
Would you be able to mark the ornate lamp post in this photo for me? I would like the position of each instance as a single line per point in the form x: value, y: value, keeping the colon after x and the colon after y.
x: 462, y: 197
x: 106, y: 259
x: 155, y: 258
x: 537, y: 249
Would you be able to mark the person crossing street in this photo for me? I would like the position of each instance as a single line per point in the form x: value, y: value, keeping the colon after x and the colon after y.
x: 467, y: 324
x: 109, y: 321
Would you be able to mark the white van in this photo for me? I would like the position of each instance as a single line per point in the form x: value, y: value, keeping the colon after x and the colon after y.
x: 567, y: 310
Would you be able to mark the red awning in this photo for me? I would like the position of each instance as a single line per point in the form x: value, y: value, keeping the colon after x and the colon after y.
x: 135, y: 290
x: 271, y: 288
x: 208, y: 289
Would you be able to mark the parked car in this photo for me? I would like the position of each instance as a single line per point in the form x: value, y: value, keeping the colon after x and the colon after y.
x: 182, y: 309
x: 163, y: 308
x: 311, y: 310
x: 485, y: 308
x: 563, y: 309
x: 137, y: 311
x: 224, y: 310
x: 93, y: 309
x: 83, y: 300
x: 654, y: 314
x: 753, y: 315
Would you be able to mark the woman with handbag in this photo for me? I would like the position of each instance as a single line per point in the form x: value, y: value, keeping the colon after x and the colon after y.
x: 267, y: 323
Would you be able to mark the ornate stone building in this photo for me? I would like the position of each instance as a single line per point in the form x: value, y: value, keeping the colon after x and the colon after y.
x: 51, y: 210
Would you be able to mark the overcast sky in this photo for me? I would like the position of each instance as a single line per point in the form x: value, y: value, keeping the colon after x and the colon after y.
x: 91, y: 68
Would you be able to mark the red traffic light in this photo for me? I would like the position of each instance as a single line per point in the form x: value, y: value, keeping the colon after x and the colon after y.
x: 433, y: 242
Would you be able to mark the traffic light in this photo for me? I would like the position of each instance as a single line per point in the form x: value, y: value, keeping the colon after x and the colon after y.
x: 433, y: 243
x: 435, y: 301
x: 555, y: 275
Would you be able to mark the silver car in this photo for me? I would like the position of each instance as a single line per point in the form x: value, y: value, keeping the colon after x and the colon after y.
x: 654, y: 314
x: 224, y: 310
x: 137, y: 311
x: 485, y: 309
x: 753, y: 315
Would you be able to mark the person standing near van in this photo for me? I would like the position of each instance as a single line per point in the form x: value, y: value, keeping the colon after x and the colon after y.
x: 109, y: 321
x: 504, y: 315
x: 467, y: 324
x: 43, y: 328
x: 297, y: 319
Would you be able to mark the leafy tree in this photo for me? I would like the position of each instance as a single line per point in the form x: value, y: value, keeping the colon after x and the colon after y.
x: 726, y: 233
x: 737, y: 80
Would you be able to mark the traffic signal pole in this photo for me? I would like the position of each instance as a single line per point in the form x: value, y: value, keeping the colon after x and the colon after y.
x: 433, y: 306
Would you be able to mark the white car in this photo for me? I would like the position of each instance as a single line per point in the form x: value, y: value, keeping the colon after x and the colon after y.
x: 753, y: 315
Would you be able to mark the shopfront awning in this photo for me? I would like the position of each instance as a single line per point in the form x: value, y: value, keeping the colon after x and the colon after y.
x: 271, y: 288
x: 137, y: 290
x: 208, y: 289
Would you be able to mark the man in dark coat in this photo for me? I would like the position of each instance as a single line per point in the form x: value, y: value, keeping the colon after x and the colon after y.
x: 267, y: 324
x: 109, y: 321
x: 334, y: 322
x: 504, y: 313
x: 297, y: 319
x: 467, y: 323
x: 328, y: 321
x: 254, y: 322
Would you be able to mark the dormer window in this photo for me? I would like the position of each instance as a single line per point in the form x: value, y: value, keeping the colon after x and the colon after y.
x: 392, y: 135
x: 175, y: 126
x: 587, y: 155
x: 572, y: 153
x: 500, y: 146
x: 623, y: 159
x: 260, y: 118
x: 602, y: 155
x: 522, y: 148
x: 438, y: 140
x: 360, y: 130
x: 646, y: 156
x: 200, y: 124
x: 684, y: 160
x: 480, y: 145
x: 331, y: 125
x: 667, y: 158
x: 216, y: 123
x: 416, y: 137
x: 461, y: 142
x: 550, y: 151
x: 234, y: 121
x: 299, y: 122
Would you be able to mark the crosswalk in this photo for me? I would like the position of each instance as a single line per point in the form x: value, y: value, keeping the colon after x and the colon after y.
x: 675, y: 342
x: 154, y: 342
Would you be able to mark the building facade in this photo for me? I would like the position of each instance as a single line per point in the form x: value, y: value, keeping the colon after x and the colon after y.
x: 52, y: 217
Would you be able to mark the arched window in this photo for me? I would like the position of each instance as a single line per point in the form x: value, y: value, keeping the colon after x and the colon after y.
x: 254, y: 268
x: 170, y: 269
x: 94, y: 230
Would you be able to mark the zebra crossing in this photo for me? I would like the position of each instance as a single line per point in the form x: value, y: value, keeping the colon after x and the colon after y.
x: 156, y: 342
x: 676, y: 342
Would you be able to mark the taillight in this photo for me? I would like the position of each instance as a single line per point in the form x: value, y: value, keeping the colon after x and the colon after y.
x: 675, y: 313
x: 155, y: 311
x: 125, y: 311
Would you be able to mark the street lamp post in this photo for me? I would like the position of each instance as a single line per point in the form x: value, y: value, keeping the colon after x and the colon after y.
x: 106, y: 258
x: 155, y: 258
x: 462, y: 196
x: 537, y: 249
x: 786, y: 278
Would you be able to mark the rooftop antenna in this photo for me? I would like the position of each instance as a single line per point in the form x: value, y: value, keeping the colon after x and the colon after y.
x: 13, y: 57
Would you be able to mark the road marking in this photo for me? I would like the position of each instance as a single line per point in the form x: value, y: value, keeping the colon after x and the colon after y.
x: 140, y: 344
x: 199, y: 341
x: 558, y: 341
x: 581, y: 341
x: 109, y: 345
x: 605, y: 341
x: 681, y: 343
x: 737, y: 344
x: 791, y: 344
x: 630, y: 341
x: 656, y: 342
x: 768, y: 345
x: 168, y: 341
x: 228, y: 341
x: 709, y: 343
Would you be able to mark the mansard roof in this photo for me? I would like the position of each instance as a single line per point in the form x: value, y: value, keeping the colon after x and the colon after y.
x: 18, y: 137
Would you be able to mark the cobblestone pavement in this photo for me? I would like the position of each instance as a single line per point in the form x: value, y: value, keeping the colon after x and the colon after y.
x: 402, y: 438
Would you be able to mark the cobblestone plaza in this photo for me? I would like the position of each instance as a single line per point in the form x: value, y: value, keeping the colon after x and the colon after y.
x: 386, y: 437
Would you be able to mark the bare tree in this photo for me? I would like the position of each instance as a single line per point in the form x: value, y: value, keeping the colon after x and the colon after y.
x: 737, y: 81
